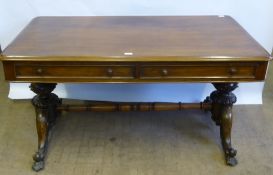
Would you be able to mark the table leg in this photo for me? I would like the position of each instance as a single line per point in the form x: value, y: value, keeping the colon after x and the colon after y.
x: 222, y: 101
x: 45, y: 104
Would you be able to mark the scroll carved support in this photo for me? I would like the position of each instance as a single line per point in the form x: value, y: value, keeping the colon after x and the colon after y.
x: 45, y: 104
x: 222, y: 101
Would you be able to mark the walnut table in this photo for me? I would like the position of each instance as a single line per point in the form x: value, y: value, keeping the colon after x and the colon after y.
x: 143, y: 49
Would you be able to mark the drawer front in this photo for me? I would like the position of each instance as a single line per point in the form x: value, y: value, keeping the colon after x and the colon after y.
x: 134, y: 72
x: 197, y: 71
x: 75, y: 71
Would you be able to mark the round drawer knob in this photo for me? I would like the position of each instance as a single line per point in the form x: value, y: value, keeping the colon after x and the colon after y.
x: 232, y: 71
x: 109, y: 72
x: 164, y: 72
x: 39, y: 70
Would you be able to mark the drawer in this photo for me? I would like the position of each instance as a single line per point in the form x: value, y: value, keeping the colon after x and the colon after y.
x: 75, y: 71
x: 197, y: 71
x: 134, y: 72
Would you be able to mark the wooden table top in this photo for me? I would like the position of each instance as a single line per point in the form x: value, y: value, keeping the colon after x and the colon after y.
x: 135, y: 38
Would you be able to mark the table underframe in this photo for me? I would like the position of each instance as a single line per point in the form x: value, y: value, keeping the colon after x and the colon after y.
x: 48, y: 106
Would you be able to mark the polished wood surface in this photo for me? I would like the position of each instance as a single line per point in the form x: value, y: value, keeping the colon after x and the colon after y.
x: 134, y: 50
x: 147, y: 38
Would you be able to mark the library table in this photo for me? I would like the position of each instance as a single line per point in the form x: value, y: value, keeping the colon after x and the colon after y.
x: 134, y: 49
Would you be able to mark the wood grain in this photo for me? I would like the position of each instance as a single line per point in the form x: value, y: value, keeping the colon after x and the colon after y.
x: 148, y: 38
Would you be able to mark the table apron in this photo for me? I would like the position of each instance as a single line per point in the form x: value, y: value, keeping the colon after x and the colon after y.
x: 138, y: 72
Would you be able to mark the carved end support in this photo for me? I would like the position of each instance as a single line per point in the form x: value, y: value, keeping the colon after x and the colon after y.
x: 222, y: 101
x: 43, y: 91
x: 221, y: 98
x: 45, y: 104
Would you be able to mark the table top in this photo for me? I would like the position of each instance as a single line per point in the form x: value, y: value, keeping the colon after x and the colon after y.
x: 135, y: 38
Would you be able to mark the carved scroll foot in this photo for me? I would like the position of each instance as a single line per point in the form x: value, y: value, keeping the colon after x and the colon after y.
x: 230, y: 157
x: 45, y: 104
x: 38, y: 158
x: 225, y: 132
x: 222, y: 101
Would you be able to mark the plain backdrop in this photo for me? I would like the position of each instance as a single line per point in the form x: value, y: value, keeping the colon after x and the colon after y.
x: 255, y: 16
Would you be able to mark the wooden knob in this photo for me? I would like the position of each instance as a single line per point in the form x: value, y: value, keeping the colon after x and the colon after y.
x: 232, y: 71
x: 164, y: 72
x: 109, y: 72
x: 39, y: 70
